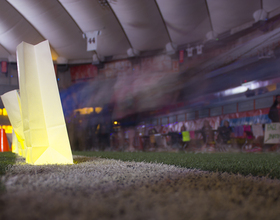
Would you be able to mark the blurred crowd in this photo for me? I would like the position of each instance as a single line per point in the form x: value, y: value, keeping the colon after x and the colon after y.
x: 102, y: 134
x: 110, y: 137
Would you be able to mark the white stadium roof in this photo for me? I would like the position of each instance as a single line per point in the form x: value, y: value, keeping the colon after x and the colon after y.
x: 135, y: 25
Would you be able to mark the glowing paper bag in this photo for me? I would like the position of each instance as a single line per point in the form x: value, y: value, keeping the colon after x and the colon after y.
x: 14, y: 143
x: 11, y: 101
x: 43, y: 120
x: 186, y: 136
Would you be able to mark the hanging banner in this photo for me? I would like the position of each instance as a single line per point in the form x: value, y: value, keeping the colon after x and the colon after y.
x: 272, y: 133
x: 199, y: 49
x: 92, y: 40
x: 4, y: 67
x: 190, y: 51
x: 83, y: 72
x: 181, y: 56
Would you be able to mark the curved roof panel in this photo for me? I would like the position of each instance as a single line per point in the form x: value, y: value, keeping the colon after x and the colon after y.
x: 227, y: 14
x: 186, y: 20
x: 14, y: 29
x: 270, y: 5
x: 55, y: 25
x: 90, y: 16
x: 144, y: 25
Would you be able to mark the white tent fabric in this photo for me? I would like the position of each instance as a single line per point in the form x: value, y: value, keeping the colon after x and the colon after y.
x: 90, y: 16
x: 187, y: 21
x: 142, y: 25
x: 55, y: 25
x: 227, y: 14
x: 14, y: 29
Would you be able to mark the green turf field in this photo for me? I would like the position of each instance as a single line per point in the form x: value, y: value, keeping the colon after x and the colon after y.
x: 96, y: 188
x: 264, y: 164
x: 6, y: 158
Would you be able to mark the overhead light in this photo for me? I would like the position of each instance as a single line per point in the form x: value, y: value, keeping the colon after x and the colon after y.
x: 95, y: 59
x: 131, y: 52
x: 244, y: 87
x: 211, y: 35
x: 235, y: 90
x: 171, y: 48
x: 260, y: 15
x: 101, y: 58
x: 245, y: 83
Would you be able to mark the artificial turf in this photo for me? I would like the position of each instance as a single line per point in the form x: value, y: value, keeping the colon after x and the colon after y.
x: 263, y: 164
x: 96, y: 188
x: 111, y: 189
x: 6, y: 159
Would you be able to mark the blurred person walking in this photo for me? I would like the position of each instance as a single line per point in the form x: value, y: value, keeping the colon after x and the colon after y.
x: 275, y: 110
x: 274, y: 116
x: 224, y: 133
x: 131, y: 136
x: 207, y: 134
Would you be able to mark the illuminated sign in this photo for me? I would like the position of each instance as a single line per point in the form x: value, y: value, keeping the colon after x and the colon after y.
x: 98, y: 110
x: 8, y: 129
x: 88, y: 110
x: 244, y: 87
x: 84, y: 111
x: 3, y: 112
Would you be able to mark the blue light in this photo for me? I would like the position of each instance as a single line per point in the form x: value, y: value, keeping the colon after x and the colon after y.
x: 57, y: 79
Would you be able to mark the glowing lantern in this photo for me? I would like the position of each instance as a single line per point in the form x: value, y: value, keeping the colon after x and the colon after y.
x: 43, y: 120
x: 11, y: 101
